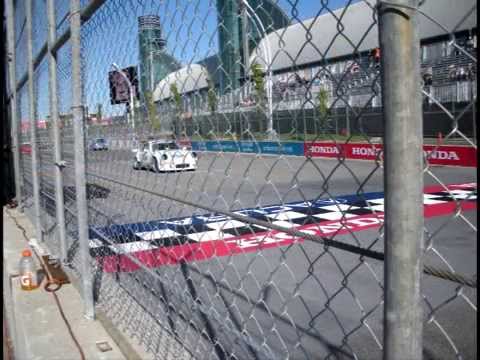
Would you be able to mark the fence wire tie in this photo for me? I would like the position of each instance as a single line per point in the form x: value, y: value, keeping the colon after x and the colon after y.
x: 61, y: 164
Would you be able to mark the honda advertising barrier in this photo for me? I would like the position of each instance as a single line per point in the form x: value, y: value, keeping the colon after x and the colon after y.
x: 437, y: 155
x: 453, y: 155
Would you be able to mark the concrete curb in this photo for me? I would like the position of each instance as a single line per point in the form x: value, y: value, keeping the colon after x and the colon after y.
x: 35, y: 324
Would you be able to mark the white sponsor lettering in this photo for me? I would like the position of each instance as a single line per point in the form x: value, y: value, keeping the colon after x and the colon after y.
x: 442, y: 155
x: 256, y: 241
x: 284, y: 236
x: 331, y: 228
x: 324, y: 149
x: 273, y: 209
x: 186, y: 221
x: 463, y: 185
x: 364, y: 221
x: 364, y: 151
x: 277, y: 237
x: 213, y: 218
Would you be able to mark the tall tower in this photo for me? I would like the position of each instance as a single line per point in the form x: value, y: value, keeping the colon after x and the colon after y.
x: 154, y: 63
x: 229, y: 43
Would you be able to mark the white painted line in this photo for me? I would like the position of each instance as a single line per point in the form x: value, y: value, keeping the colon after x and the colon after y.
x: 433, y: 201
x: 464, y: 196
x: 131, y: 247
x: 157, y: 234
x: 340, y: 207
x: 95, y: 243
x: 209, y: 236
x: 285, y: 224
x: 334, y: 216
x: 228, y: 224
x: 286, y: 216
x: 377, y: 208
x: 431, y: 196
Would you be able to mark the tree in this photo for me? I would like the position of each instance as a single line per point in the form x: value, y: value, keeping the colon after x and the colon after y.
x: 258, y: 83
x: 152, y: 111
x: 259, y: 89
x: 99, y: 113
x: 177, y: 99
x: 212, y: 101
x: 211, y: 96
x: 323, y: 109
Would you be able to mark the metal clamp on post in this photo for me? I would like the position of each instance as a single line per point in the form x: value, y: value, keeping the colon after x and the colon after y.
x: 61, y: 164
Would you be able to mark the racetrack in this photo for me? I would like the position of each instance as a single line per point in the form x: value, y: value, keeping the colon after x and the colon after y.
x: 300, y: 300
x: 236, y: 181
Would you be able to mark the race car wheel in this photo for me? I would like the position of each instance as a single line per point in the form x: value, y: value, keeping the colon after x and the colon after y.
x: 136, y: 165
x: 155, y: 166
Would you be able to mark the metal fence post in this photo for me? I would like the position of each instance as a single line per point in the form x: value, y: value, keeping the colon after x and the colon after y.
x: 80, y: 166
x: 13, y: 99
x: 403, y: 178
x: 33, y: 126
x: 52, y: 87
x: 473, y: 100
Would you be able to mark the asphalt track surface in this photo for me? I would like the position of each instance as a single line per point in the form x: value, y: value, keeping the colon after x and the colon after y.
x: 298, y: 301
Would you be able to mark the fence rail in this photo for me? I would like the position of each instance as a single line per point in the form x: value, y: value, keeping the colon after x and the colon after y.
x: 194, y: 166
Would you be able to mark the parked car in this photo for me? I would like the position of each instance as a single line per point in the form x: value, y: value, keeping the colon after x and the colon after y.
x: 164, y: 155
x: 98, y: 144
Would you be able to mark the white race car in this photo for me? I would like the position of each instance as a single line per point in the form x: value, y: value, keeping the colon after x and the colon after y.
x: 163, y: 155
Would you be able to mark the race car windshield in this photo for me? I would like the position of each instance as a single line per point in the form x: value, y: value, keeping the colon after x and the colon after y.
x: 100, y: 141
x: 165, y: 146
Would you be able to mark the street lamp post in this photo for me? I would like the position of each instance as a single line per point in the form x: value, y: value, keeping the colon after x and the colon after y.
x: 152, y: 88
x: 131, y: 93
x: 246, y: 52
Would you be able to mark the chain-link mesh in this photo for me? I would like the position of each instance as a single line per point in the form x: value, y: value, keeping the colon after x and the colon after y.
x: 45, y: 155
x: 39, y: 27
x: 22, y: 106
x: 64, y: 88
x: 25, y: 149
x: 449, y: 89
x: 226, y: 289
x: 229, y: 214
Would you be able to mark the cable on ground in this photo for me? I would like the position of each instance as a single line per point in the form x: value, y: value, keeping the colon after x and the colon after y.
x: 50, y: 281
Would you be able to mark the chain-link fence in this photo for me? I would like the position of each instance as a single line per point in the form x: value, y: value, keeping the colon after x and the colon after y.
x: 213, y: 177
x: 449, y: 86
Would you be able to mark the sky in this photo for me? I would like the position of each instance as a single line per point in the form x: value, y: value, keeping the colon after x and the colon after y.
x: 189, y: 26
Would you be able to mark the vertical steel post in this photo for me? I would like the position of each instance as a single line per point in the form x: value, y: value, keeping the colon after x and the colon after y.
x: 347, y: 117
x: 80, y: 163
x: 246, y: 52
x: 13, y: 99
x: 52, y: 89
x: 33, y: 126
x: 474, y: 109
x: 403, y: 176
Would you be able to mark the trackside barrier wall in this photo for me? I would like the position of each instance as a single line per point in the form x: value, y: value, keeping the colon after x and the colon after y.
x: 439, y: 155
x: 260, y: 147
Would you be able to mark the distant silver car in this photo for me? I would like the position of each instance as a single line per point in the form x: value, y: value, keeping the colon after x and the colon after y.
x: 98, y: 144
x: 163, y: 155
